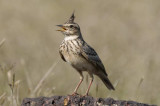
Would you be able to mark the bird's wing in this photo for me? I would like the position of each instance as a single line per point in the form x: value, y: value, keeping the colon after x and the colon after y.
x: 60, y: 52
x: 90, y: 55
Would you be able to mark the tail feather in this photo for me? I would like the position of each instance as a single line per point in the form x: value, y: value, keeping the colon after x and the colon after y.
x: 107, y: 83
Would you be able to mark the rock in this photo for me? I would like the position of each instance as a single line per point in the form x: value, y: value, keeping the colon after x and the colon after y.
x: 78, y: 101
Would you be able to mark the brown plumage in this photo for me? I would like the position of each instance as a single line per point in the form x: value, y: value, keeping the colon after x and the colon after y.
x: 80, y: 55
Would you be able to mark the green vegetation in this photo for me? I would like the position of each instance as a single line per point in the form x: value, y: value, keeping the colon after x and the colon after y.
x: 125, y: 34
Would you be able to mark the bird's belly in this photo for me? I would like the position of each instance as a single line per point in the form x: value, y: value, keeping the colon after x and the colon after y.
x: 79, y: 62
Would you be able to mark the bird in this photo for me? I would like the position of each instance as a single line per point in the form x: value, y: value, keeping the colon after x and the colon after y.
x: 81, y: 56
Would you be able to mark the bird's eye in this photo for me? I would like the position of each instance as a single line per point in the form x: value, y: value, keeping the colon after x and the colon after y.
x: 71, y: 26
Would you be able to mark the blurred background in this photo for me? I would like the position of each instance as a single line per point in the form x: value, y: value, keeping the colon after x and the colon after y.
x: 125, y: 34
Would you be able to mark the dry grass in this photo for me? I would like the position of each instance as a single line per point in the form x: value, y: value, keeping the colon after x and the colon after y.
x: 124, y: 33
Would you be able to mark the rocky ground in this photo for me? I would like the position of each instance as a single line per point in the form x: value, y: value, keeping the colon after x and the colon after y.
x: 78, y: 101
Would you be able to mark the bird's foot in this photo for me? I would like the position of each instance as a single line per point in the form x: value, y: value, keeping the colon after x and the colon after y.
x: 74, y: 94
x: 85, y: 95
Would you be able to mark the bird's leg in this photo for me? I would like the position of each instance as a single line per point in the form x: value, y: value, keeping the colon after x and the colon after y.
x: 91, y: 80
x: 81, y: 79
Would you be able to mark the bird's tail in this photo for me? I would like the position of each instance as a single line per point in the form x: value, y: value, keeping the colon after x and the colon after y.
x: 107, y: 82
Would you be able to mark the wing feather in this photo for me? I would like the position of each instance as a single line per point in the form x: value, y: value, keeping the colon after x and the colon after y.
x: 90, y: 55
x: 60, y: 52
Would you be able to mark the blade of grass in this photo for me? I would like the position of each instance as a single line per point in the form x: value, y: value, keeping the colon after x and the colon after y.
x: 29, y: 82
x: 2, y: 99
x: 4, y: 94
x: 2, y: 42
x: 44, y: 77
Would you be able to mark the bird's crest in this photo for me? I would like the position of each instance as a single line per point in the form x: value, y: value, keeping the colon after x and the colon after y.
x: 71, y: 19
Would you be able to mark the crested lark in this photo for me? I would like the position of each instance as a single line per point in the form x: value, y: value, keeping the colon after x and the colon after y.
x: 80, y: 55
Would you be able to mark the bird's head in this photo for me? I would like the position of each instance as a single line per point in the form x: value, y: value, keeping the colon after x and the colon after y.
x: 70, y: 28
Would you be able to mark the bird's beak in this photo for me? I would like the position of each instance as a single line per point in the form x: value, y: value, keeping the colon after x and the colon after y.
x: 62, y: 28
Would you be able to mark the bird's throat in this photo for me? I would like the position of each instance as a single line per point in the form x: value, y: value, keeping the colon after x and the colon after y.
x: 70, y: 37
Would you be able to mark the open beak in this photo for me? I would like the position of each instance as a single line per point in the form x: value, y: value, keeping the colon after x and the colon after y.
x: 62, y: 28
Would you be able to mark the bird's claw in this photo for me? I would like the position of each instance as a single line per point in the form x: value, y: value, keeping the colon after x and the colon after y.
x: 85, y: 95
x: 75, y: 94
